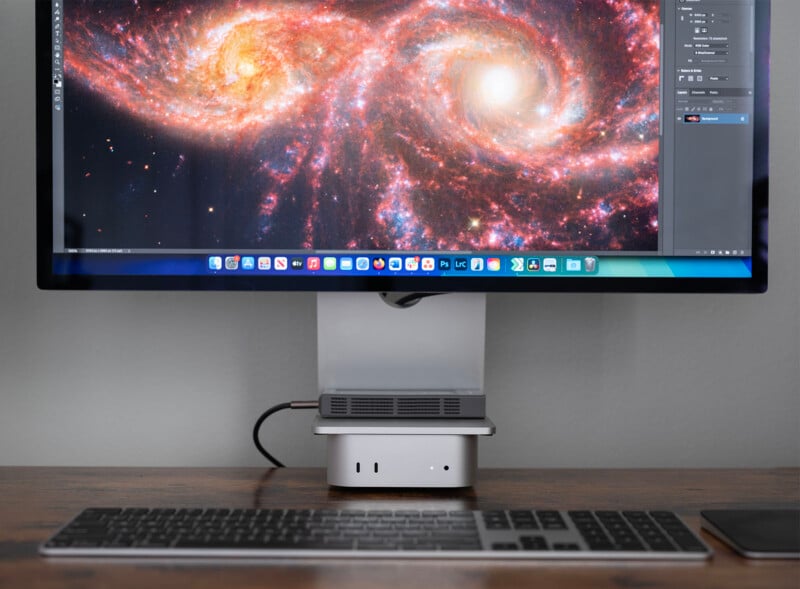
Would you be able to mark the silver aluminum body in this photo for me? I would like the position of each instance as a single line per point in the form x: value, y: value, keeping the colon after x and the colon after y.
x: 402, y: 452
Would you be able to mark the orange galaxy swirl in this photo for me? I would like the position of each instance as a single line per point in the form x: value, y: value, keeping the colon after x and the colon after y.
x: 219, y: 75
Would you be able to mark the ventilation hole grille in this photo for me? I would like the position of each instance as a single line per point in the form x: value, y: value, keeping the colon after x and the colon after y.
x: 418, y: 406
x: 338, y: 406
x: 451, y: 406
x: 403, y: 407
x: 372, y: 406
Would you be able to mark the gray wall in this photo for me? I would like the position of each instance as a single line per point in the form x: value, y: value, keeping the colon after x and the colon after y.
x: 574, y: 380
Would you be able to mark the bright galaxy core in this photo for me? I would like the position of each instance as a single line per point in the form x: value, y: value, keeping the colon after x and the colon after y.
x: 432, y: 125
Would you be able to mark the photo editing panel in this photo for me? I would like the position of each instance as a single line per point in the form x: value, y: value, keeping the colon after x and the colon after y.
x: 470, y: 138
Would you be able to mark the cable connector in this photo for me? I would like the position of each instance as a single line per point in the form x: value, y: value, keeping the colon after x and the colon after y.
x: 270, y: 411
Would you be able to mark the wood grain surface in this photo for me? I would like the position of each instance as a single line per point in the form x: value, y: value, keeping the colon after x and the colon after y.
x: 35, y: 501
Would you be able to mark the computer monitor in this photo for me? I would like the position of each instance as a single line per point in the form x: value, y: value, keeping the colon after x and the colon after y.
x: 421, y: 146
x: 414, y: 146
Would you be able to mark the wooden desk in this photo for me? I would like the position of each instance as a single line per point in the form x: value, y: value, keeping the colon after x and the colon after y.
x: 36, y: 501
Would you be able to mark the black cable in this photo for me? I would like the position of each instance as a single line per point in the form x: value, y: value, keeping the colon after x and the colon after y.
x: 270, y: 411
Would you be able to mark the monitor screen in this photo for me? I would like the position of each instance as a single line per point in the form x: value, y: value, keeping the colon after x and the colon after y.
x: 425, y: 145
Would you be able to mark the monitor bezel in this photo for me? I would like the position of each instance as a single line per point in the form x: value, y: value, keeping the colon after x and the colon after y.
x: 48, y: 279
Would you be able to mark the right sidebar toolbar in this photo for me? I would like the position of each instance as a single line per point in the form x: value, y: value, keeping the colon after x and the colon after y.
x: 714, y: 61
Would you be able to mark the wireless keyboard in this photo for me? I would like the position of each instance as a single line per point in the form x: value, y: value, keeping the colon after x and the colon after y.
x: 499, y: 534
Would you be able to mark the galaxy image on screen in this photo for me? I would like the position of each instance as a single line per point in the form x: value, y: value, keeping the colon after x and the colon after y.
x: 505, y: 125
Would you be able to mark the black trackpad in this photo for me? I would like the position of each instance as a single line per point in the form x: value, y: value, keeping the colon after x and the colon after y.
x: 756, y: 533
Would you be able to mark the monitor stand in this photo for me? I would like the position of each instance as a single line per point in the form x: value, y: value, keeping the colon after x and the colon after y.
x: 365, y: 344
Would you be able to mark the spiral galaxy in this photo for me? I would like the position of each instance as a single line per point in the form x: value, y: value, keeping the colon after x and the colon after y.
x: 527, y: 125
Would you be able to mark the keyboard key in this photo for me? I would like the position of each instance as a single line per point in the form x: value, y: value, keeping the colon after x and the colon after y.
x: 533, y: 543
x: 505, y: 546
x: 551, y: 520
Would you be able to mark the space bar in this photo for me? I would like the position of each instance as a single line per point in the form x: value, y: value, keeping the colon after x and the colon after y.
x: 259, y: 544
